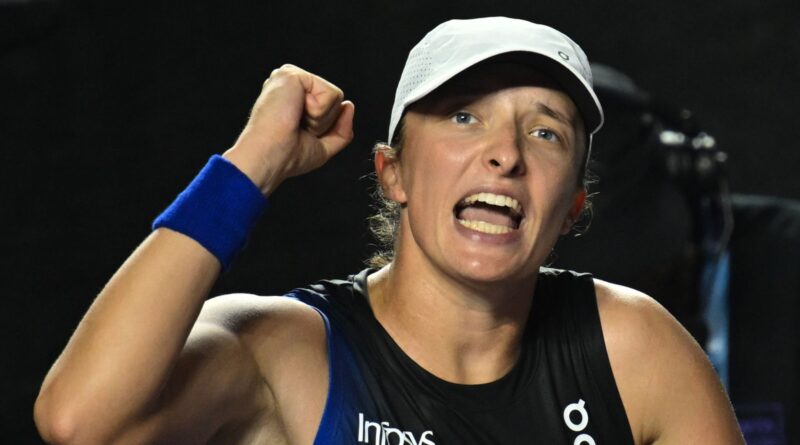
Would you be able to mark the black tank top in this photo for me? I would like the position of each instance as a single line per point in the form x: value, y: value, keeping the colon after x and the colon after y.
x: 560, y: 391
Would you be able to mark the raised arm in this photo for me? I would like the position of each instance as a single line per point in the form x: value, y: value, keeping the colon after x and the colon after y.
x: 132, y: 373
x: 672, y: 395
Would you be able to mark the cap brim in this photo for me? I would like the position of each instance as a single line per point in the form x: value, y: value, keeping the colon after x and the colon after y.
x: 580, y: 92
x: 576, y: 88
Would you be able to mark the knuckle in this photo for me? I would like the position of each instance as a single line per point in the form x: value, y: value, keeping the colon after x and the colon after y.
x: 284, y: 70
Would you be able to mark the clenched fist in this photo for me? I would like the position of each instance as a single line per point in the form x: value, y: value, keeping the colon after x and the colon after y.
x: 298, y: 122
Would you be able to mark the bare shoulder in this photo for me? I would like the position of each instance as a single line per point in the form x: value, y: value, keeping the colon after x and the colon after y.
x: 275, y: 330
x: 263, y: 321
x: 286, y: 343
x: 670, y: 391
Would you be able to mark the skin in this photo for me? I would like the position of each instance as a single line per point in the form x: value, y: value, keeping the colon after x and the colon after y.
x: 508, y: 146
x: 246, y: 369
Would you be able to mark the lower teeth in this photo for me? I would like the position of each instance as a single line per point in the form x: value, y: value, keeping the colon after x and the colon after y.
x: 484, y: 227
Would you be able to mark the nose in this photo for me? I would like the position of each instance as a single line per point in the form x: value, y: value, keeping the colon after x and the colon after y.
x: 504, y: 153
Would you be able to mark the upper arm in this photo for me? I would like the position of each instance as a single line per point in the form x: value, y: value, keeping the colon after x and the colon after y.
x: 670, y: 391
x: 222, y: 383
x: 214, y: 382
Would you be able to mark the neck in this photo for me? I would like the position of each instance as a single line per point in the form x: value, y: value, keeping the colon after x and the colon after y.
x: 462, y: 332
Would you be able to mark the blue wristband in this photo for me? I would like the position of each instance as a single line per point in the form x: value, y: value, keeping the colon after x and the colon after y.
x: 218, y: 209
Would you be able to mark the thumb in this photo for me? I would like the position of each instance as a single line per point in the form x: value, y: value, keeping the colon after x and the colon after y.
x: 341, y: 132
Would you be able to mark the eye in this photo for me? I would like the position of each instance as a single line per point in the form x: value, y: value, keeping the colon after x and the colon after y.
x: 545, y: 134
x: 463, y: 118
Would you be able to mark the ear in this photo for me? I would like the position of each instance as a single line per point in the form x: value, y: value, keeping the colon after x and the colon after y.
x: 575, y: 211
x: 387, y: 168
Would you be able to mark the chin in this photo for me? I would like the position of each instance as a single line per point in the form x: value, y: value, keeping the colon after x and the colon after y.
x: 495, y: 272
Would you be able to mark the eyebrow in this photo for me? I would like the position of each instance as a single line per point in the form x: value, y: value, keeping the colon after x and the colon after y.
x: 466, y: 92
x: 544, y: 109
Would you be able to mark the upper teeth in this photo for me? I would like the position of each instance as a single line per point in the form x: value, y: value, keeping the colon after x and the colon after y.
x: 497, y: 200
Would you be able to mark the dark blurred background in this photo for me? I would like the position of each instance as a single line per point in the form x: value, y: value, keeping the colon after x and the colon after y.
x: 107, y: 112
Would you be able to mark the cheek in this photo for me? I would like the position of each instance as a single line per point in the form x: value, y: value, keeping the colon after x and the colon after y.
x: 554, y: 192
x: 433, y: 169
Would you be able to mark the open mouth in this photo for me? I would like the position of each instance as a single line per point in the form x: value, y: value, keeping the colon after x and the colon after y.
x: 489, y: 213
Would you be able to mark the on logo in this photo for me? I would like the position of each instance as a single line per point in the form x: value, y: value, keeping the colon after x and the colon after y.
x: 580, y: 425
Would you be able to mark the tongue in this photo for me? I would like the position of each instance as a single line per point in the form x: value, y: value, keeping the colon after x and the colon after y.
x: 497, y: 217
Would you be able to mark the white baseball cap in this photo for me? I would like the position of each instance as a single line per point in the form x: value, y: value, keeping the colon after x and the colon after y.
x: 456, y: 45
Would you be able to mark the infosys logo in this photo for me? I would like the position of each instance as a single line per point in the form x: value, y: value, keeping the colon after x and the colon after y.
x: 381, y: 433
